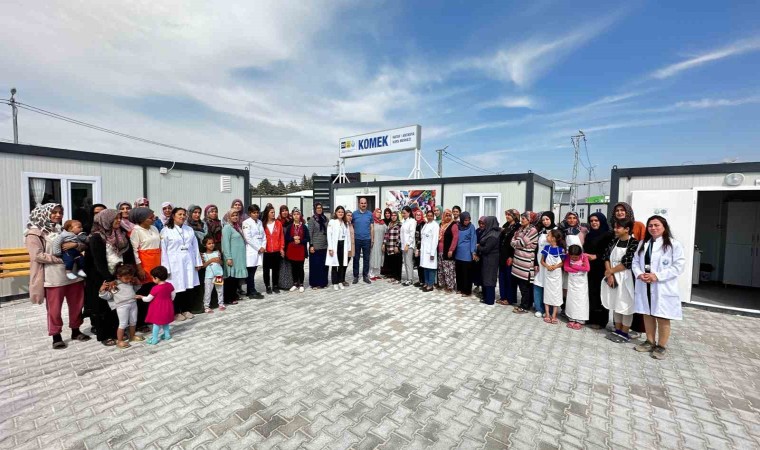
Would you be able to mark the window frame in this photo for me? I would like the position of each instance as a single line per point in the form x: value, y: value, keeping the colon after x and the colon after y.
x: 65, y: 181
x: 481, y: 201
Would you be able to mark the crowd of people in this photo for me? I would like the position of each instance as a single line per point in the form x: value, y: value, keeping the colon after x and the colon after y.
x: 128, y: 269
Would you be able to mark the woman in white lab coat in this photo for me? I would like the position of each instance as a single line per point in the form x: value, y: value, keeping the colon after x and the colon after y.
x: 658, y: 263
x: 180, y: 256
x: 408, y: 228
x: 428, y: 251
x: 338, y: 247
x: 255, y: 246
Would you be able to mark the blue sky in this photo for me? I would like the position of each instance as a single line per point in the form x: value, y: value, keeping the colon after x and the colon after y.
x: 503, y: 84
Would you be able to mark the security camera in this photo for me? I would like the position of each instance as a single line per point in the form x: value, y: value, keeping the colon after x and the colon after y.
x: 13, y: 91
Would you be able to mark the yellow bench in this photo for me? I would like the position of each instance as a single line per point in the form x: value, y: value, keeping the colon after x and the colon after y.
x: 14, y: 262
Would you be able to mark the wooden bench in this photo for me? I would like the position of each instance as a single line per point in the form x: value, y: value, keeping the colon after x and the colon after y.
x: 14, y: 262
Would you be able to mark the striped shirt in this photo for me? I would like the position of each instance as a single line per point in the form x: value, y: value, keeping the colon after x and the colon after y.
x: 524, y: 242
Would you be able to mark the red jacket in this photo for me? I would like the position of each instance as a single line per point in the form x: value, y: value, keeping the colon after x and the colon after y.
x: 275, y: 240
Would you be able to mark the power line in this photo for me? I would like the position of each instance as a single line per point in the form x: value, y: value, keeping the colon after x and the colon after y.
x: 140, y: 139
x: 467, y: 163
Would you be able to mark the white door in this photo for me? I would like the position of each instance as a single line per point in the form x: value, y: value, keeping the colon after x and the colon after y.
x: 738, y: 266
x: 679, y: 208
x: 740, y: 223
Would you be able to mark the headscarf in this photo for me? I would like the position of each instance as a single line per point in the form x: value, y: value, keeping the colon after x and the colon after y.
x: 293, y: 211
x: 438, y: 218
x: 103, y: 226
x: 139, y: 215
x: 196, y: 225
x: 604, y: 227
x: 479, y: 231
x: 419, y: 216
x: 235, y: 225
x: 379, y: 220
x: 515, y: 215
x: 40, y: 219
x: 541, y: 227
x: 284, y: 220
x: 464, y: 215
x: 444, y: 225
x: 141, y: 202
x: 397, y: 223
x: 388, y: 220
x: 492, y: 229
x: 628, y: 213
x: 213, y: 226
x: 243, y: 216
x: 125, y: 223
x: 161, y: 215
x: 566, y: 229
x: 320, y: 218
x: 531, y: 217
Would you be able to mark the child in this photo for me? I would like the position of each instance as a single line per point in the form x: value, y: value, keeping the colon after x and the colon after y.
x: 617, y: 285
x: 161, y: 309
x: 72, y: 232
x: 121, y: 297
x: 211, y: 262
x: 576, y: 306
x: 552, y: 257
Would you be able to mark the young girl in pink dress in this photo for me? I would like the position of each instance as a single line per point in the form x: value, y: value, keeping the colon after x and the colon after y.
x: 161, y: 308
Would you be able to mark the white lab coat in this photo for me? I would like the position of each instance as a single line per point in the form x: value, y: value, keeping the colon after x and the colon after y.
x: 255, y: 239
x: 667, y: 266
x: 334, y: 229
x: 429, y: 245
x: 408, y: 229
x: 180, y: 256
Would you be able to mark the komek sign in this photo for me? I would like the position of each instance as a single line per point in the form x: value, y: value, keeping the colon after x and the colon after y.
x: 386, y: 141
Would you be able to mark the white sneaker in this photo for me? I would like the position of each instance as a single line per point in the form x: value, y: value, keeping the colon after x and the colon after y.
x: 335, y: 287
x: 71, y: 276
x: 300, y: 289
x: 81, y: 273
x: 293, y: 289
x: 538, y: 314
x: 341, y: 287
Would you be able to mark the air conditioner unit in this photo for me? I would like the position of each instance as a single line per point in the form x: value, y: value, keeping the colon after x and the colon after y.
x: 225, y: 183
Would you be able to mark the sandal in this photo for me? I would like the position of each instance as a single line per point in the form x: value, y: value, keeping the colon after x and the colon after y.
x: 123, y: 344
x: 519, y: 310
x: 555, y: 321
x: 136, y: 339
x: 548, y: 319
x: 109, y: 342
x: 209, y: 310
x: 577, y: 326
x: 571, y: 324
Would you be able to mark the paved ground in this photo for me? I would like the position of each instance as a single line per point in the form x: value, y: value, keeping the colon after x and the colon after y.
x: 380, y: 366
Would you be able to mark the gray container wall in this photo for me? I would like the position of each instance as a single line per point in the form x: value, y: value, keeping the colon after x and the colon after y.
x: 183, y: 188
x: 542, y: 197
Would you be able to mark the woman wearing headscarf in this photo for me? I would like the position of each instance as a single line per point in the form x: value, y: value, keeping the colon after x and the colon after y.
x: 47, y: 275
x: 194, y: 221
x: 181, y: 257
x: 286, y: 272
x: 506, y: 254
x: 213, y: 225
x: 94, y: 210
x: 387, y: 213
x: 142, y: 202
x: 448, y: 236
x: 163, y: 216
x: 623, y: 210
x: 376, y: 256
x: 124, y: 208
x: 146, y: 246
x: 574, y: 231
x: 318, y: 271
x: 392, y: 248
x: 465, y: 254
x: 475, y: 270
x: 109, y: 246
x: 234, y: 255
x: 524, y: 242
x: 437, y: 212
x: 296, y: 243
x: 545, y: 225
x: 488, y: 253
x: 419, y: 217
x: 597, y: 241
x: 238, y: 206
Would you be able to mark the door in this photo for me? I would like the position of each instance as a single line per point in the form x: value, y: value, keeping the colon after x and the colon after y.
x: 370, y: 201
x: 740, y: 260
x: 80, y: 199
x: 679, y: 208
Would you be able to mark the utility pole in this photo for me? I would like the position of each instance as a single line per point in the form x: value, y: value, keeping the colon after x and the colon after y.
x: 440, y: 161
x: 15, y: 116
x: 576, y: 140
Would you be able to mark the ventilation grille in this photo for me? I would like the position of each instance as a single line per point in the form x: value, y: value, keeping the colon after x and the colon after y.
x: 225, y: 183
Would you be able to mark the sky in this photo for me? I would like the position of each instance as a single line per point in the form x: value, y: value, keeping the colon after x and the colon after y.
x: 503, y: 84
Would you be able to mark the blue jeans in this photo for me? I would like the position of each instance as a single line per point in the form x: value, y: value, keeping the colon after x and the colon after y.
x: 72, y: 257
x: 363, y: 247
x: 505, y: 284
x: 430, y: 276
x: 538, y: 298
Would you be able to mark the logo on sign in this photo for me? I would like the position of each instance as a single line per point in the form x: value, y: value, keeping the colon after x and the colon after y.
x: 375, y: 142
x: 345, y: 145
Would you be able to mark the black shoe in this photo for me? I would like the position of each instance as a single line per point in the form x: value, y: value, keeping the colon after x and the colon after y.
x: 418, y: 284
x: 256, y: 295
x: 269, y: 290
x: 356, y: 280
x: 366, y: 280
x: 276, y: 290
x: 58, y: 341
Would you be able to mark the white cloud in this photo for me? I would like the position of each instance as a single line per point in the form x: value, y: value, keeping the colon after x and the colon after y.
x: 716, y: 102
x: 734, y: 49
x: 510, y: 102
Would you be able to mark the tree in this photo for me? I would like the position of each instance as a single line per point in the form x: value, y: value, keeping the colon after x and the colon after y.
x: 265, y: 187
x: 281, y: 189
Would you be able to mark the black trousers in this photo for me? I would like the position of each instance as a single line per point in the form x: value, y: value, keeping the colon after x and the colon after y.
x: 230, y: 290
x: 142, y: 307
x: 463, y: 271
x: 526, y: 292
x: 272, y: 265
x: 297, y: 267
x: 182, y: 301
x: 393, y: 263
x: 338, y: 273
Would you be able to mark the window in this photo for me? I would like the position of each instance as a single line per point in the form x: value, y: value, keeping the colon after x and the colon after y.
x: 482, y: 205
x: 75, y: 193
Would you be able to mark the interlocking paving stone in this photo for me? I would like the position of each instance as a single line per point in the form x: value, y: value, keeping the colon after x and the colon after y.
x: 379, y: 366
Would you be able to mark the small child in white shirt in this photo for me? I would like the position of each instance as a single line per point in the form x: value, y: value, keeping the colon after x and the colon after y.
x: 121, y: 296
